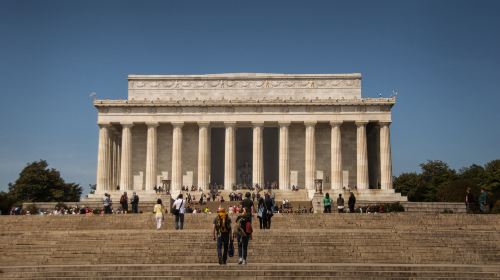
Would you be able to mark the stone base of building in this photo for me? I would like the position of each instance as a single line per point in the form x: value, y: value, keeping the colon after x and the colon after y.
x: 144, y: 196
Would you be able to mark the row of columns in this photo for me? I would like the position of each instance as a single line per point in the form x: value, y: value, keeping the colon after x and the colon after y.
x: 115, y: 159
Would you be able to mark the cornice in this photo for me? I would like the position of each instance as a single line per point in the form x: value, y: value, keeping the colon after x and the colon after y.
x: 245, y: 102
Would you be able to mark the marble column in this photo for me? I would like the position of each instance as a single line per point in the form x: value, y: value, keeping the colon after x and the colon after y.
x: 203, y: 154
x: 151, y: 159
x: 126, y: 158
x: 385, y: 156
x: 361, y: 156
x: 230, y: 156
x: 103, y: 158
x: 284, y: 165
x: 257, y: 161
x: 118, y: 160
x: 114, y: 172
x: 336, y: 156
x: 177, y: 156
x: 310, y: 155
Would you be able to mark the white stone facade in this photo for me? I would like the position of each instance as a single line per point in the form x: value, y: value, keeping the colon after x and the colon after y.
x: 324, y: 126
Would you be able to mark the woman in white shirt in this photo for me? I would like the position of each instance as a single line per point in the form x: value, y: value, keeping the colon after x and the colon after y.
x: 158, y: 210
x: 179, y: 205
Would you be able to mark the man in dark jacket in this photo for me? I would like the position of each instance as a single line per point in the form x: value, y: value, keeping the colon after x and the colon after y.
x: 135, y: 203
x: 351, y: 202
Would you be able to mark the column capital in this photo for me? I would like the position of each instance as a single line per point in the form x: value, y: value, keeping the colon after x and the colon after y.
x: 152, y: 124
x: 177, y: 124
x: 361, y: 123
x: 284, y: 123
x: 203, y: 124
x: 127, y: 124
x: 310, y: 123
x: 229, y: 124
x: 258, y: 124
x: 336, y: 123
x: 384, y: 123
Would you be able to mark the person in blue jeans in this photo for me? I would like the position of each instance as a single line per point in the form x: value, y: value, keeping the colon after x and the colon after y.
x: 222, y: 233
x: 243, y: 234
x: 179, y: 204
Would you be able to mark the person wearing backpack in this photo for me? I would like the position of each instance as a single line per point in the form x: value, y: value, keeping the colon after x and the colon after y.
x: 222, y: 233
x: 243, y: 234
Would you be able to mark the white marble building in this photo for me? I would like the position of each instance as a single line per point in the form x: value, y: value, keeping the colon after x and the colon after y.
x: 246, y: 128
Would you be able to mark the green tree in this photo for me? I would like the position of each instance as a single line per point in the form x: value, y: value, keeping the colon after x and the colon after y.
x: 492, y: 179
x: 408, y: 184
x: 6, y: 202
x: 38, y: 183
x: 434, y: 173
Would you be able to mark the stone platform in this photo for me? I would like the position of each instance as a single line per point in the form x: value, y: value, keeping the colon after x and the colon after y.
x: 306, y: 246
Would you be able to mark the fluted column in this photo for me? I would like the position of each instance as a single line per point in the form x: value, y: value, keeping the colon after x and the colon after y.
x: 284, y: 166
x: 203, y: 153
x: 230, y: 157
x: 103, y: 158
x: 362, y: 158
x: 126, y: 158
x: 258, y: 165
x: 177, y: 156
x: 336, y: 155
x: 385, y: 156
x: 151, y: 159
x: 114, y: 172
x: 310, y: 155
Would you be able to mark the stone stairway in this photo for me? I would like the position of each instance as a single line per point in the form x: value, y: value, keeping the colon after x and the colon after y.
x: 305, y: 246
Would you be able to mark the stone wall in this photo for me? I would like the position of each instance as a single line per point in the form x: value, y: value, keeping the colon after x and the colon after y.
x: 348, y: 134
x: 165, y: 150
x: 323, y: 152
x: 139, y: 143
x: 296, y: 146
x: 190, y: 150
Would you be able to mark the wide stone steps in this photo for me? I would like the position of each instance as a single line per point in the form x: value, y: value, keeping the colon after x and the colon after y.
x: 306, y: 246
x: 253, y: 271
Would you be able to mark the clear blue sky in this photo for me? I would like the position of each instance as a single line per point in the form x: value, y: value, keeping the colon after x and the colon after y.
x: 442, y: 56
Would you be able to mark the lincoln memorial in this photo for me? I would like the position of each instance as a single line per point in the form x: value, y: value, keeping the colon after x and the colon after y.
x: 246, y: 129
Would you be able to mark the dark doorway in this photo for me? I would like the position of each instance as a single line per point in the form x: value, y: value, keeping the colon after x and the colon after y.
x: 271, y: 154
x: 244, y: 147
x: 217, y: 142
x: 373, y: 146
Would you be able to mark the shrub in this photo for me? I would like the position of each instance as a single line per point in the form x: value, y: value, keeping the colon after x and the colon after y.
x: 496, y: 208
x: 32, y: 208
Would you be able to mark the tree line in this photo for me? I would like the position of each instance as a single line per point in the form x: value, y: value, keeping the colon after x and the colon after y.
x: 437, y: 182
x: 38, y: 183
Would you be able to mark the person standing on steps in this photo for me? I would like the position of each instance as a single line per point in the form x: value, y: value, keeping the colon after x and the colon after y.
x: 261, y: 212
x: 158, y: 210
x: 327, y: 203
x: 107, y: 203
x: 268, y: 211
x: 483, y: 201
x: 134, y: 201
x: 222, y: 233
x: 243, y: 234
x: 351, y: 202
x: 178, y: 210
x: 247, y: 203
x: 470, y: 201
x: 340, y: 203
x: 124, y: 202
